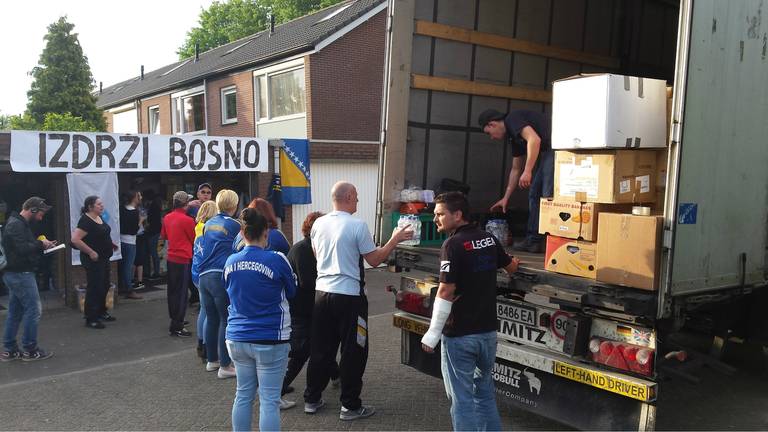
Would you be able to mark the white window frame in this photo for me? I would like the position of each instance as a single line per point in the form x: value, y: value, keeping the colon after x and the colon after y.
x: 177, y: 100
x: 223, y: 93
x: 288, y: 66
x: 149, y: 118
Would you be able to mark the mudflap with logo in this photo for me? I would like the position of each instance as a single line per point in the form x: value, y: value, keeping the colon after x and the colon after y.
x: 569, y: 402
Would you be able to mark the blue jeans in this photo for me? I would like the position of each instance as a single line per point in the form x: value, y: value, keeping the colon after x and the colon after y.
x: 214, y: 298
x: 542, y: 186
x: 152, y: 240
x: 467, y: 363
x: 201, y: 316
x: 259, y: 367
x: 24, y: 309
x: 125, y: 269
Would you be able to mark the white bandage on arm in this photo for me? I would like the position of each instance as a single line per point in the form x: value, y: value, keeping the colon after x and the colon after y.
x: 440, y: 312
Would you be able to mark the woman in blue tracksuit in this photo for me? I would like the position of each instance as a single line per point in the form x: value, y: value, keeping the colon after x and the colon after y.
x: 215, y: 247
x: 259, y: 283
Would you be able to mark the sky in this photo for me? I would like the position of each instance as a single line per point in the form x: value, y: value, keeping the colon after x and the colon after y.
x: 117, y: 37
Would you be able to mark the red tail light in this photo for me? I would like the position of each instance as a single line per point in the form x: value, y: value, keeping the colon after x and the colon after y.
x: 414, y: 303
x: 623, y: 356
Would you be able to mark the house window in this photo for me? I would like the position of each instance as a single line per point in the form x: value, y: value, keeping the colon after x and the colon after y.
x: 229, y: 105
x: 154, y: 119
x: 280, y: 93
x: 189, y: 112
x: 286, y: 93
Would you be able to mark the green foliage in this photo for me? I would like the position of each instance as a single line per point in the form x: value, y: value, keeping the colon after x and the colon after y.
x: 63, y: 81
x: 51, y: 122
x: 228, y: 21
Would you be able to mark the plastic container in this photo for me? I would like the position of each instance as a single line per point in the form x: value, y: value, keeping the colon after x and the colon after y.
x: 429, y: 234
x: 412, y: 222
x: 500, y: 230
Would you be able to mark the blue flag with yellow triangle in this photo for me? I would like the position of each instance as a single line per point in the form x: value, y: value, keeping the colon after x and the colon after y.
x: 294, y: 172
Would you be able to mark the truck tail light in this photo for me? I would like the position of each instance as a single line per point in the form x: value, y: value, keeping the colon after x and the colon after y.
x: 623, y: 356
x: 414, y: 303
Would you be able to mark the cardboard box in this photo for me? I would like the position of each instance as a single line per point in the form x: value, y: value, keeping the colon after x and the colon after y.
x: 608, y: 111
x: 572, y: 219
x: 571, y: 257
x: 606, y: 176
x: 629, y: 250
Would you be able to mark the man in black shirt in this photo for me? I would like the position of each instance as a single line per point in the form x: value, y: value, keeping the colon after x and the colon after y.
x: 464, y: 313
x: 533, y: 163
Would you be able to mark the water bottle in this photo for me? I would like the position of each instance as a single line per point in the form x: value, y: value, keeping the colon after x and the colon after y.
x: 412, y: 222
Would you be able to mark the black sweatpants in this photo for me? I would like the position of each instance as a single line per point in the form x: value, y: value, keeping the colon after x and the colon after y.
x: 178, y: 280
x: 338, y: 319
x: 300, y: 351
x: 97, y: 276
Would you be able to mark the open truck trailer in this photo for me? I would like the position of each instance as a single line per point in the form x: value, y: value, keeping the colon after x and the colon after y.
x: 447, y: 61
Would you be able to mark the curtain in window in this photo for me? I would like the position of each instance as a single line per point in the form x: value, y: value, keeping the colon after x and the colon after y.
x: 194, y: 113
x: 286, y: 92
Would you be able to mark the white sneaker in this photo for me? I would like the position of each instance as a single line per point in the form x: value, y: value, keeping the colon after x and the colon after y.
x: 227, y: 372
x: 286, y: 404
x: 212, y: 366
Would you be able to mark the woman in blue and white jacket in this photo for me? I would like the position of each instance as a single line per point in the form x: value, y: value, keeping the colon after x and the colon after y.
x: 259, y: 283
x: 215, y: 247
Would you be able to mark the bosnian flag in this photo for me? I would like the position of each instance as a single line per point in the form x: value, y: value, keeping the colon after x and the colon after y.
x: 294, y: 172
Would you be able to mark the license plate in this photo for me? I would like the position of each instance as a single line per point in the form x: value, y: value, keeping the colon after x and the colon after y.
x: 409, y: 324
x: 520, y: 323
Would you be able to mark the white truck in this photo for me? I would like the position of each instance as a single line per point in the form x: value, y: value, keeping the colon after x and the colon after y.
x: 448, y: 60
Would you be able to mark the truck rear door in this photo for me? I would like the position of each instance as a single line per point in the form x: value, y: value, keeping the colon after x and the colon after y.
x: 717, y: 204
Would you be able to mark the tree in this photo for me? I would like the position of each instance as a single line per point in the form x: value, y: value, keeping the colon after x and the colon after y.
x: 62, y: 80
x: 228, y: 21
x: 5, y: 122
x: 51, y: 122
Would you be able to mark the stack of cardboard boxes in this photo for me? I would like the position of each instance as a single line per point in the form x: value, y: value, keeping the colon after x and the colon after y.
x: 609, y: 137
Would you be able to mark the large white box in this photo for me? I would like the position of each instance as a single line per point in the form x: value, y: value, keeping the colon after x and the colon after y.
x: 608, y: 111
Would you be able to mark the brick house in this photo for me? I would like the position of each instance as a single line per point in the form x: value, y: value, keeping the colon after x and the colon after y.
x: 317, y: 77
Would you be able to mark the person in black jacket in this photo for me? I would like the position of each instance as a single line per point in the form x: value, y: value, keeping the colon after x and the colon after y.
x: 154, y: 208
x: 302, y: 260
x: 23, y: 252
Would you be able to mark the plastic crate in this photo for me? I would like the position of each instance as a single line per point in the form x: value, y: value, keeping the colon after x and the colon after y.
x: 429, y: 234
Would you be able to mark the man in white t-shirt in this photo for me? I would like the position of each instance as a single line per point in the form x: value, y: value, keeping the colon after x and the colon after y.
x: 340, y: 315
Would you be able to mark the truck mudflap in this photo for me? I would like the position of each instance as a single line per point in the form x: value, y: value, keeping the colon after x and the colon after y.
x: 549, y: 384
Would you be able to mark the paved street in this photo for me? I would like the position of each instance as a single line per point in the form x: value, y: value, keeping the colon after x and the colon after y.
x: 134, y: 376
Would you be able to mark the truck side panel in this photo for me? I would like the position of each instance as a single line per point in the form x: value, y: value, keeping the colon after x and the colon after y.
x: 722, y: 200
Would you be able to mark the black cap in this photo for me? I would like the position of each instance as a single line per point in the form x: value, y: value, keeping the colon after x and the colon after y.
x: 202, y: 185
x: 489, y: 115
x: 35, y: 204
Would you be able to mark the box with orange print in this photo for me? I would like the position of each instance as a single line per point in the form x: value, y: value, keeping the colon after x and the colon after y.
x: 573, y: 219
x: 571, y: 257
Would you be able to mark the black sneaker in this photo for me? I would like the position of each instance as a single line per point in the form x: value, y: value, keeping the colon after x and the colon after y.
x: 181, y: 333
x: 360, y: 413
x: 107, y: 317
x: 95, y: 325
x: 7, y: 356
x: 138, y: 285
x: 526, y: 245
x: 36, y: 355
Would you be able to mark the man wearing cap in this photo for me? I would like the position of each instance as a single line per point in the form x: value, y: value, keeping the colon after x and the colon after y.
x: 204, y: 193
x: 179, y: 230
x: 23, y: 252
x: 533, y: 163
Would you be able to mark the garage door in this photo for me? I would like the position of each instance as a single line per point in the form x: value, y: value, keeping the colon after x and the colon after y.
x: 324, y: 176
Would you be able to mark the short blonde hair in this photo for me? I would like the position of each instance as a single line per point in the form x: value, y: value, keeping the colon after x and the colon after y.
x: 207, y: 210
x: 227, y: 200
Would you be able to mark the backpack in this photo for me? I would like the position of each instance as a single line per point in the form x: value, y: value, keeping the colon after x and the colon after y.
x: 3, y: 259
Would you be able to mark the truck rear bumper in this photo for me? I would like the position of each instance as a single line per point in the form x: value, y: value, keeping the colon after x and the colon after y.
x: 548, y: 384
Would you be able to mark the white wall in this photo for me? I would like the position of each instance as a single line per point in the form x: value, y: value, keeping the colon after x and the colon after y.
x: 125, y: 122
x: 324, y: 175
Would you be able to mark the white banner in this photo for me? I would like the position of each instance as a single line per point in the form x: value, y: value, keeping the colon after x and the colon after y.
x: 35, y: 151
x: 103, y: 185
